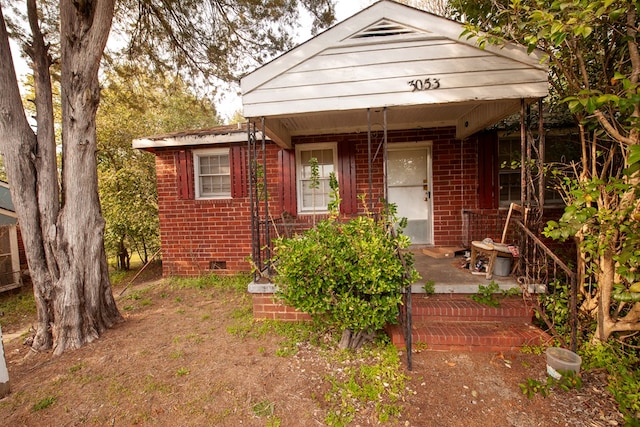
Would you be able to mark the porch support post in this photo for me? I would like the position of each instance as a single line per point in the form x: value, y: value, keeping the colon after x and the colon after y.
x: 254, y: 198
x: 384, y: 157
x: 529, y: 166
x: 541, y: 154
x: 265, y: 195
x: 369, y: 159
x: 523, y: 150
x: 255, y: 233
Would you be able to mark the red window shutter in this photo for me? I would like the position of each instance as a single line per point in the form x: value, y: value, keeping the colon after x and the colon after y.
x: 184, y: 174
x: 347, y: 177
x: 238, y: 161
x: 287, y: 163
x: 488, y: 185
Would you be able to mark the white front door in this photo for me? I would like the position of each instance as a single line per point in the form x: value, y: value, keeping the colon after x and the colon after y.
x: 409, y: 187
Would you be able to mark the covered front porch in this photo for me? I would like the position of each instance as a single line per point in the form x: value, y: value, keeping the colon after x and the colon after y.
x: 398, y: 99
x: 451, y: 274
x: 395, y: 99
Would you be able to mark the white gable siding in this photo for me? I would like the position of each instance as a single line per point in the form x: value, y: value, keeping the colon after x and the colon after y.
x: 373, y: 73
x: 354, y: 78
x: 370, y: 60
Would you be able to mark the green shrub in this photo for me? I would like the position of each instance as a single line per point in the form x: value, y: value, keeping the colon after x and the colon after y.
x: 348, y: 275
x: 556, y: 303
x: 624, y: 374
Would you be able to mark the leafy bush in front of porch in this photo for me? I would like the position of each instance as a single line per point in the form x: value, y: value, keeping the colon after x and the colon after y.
x: 347, y: 275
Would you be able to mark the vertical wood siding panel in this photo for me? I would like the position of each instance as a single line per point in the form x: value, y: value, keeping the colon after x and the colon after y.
x: 347, y: 177
x: 184, y: 174
x: 287, y: 161
x: 488, y: 185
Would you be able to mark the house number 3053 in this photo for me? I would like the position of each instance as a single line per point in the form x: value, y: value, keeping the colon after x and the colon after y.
x: 424, y: 84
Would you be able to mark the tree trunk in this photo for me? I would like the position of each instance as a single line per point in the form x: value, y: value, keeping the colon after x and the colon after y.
x: 145, y: 251
x: 19, y: 147
x: 48, y: 191
x: 62, y: 232
x: 354, y: 340
x: 123, y: 255
x: 84, y: 303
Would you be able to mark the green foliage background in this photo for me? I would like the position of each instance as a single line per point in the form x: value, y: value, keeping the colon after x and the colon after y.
x: 135, y: 105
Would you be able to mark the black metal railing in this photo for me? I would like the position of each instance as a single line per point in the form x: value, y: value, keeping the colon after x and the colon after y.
x: 258, y: 199
x: 406, y: 308
x: 406, y: 320
x: 548, y: 283
x: 551, y: 286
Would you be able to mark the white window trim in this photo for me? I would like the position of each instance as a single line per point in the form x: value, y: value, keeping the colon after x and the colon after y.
x: 196, y: 171
x: 307, y: 147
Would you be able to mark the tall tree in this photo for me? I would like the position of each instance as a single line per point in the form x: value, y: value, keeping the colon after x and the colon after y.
x: 61, y: 223
x: 60, y: 218
x: 438, y: 7
x: 594, y: 60
x: 210, y: 42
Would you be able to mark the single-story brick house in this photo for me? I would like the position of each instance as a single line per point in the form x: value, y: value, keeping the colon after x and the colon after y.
x: 392, y: 99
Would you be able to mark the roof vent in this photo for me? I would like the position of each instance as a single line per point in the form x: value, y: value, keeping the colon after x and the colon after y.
x: 384, y: 28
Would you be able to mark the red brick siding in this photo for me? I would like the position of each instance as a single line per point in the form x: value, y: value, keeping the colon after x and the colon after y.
x: 267, y: 306
x: 196, y: 232
x: 455, y: 172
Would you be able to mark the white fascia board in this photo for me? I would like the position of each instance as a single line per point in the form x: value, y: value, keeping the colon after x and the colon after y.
x: 515, y: 91
x: 190, y: 140
x: 8, y: 213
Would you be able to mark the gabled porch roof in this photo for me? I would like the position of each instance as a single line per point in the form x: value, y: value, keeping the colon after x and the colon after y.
x: 410, y: 62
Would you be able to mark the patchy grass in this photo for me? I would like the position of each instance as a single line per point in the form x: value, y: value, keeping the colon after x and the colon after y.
x: 236, y: 283
x: 43, y: 403
x: 264, y: 408
x: 214, y: 365
x: 242, y: 323
x: 16, y: 307
x: 371, y: 381
x: 138, y: 299
x: 181, y: 372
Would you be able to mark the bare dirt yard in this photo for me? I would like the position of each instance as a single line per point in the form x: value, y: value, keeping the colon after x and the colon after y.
x: 190, y: 355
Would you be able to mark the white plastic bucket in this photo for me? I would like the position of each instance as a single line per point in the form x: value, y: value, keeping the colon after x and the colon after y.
x: 562, y: 360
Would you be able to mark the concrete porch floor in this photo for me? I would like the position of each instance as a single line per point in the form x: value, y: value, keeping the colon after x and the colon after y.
x: 450, y: 277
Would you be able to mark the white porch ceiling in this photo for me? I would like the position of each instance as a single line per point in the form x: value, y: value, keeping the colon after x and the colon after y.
x: 468, y: 118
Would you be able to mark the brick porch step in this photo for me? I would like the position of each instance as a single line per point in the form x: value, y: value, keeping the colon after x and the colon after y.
x: 461, y: 308
x: 446, y: 322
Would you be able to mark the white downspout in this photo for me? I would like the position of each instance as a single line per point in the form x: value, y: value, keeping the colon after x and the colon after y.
x: 4, y: 374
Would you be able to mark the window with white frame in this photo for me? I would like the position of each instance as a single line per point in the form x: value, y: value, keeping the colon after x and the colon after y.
x: 560, y: 148
x: 314, y: 199
x: 212, y: 173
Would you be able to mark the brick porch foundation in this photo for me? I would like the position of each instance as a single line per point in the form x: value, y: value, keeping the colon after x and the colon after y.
x: 268, y: 306
x: 442, y: 322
